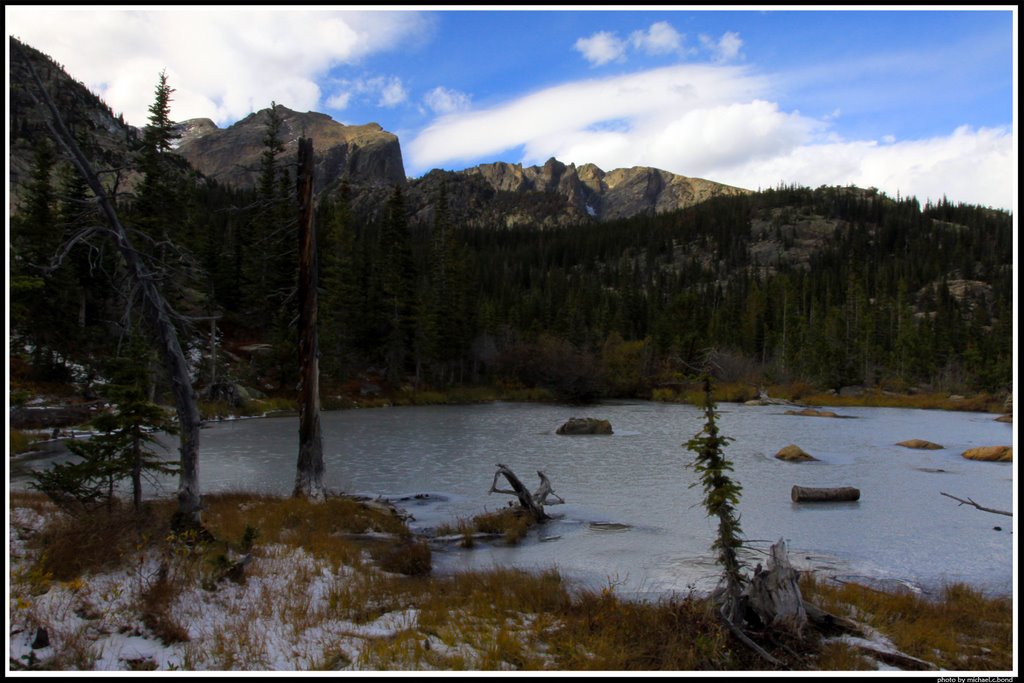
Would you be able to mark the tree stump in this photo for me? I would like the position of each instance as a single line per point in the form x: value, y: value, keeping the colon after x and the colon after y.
x: 774, y: 593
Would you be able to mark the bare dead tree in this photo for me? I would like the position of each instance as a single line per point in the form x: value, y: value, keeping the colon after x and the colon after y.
x: 310, y: 468
x: 533, y: 502
x: 155, y: 307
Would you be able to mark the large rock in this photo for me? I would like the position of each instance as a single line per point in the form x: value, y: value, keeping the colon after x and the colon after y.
x: 585, y: 425
x: 920, y: 443
x: 990, y: 453
x: 793, y: 453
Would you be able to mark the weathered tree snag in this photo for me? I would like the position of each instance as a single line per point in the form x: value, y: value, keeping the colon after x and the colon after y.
x: 526, y: 499
x: 774, y: 593
x: 983, y: 509
x: 310, y: 468
x: 807, y: 494
x: 540, y: 496
x: 157, y: 311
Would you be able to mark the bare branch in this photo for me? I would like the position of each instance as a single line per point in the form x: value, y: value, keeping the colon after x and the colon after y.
x: 971, y: 502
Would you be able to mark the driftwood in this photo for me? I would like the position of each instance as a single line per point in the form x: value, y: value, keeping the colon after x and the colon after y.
x: 983, y: 509
x: 534, y: 502
x: 807, y: 494
x: 774, y: 593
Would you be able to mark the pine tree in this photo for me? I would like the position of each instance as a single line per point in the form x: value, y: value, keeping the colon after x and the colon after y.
x: 721, y: 496
x: 122, y: 449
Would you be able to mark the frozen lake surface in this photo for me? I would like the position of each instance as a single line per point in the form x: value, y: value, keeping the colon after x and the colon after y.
x: 631, y: 518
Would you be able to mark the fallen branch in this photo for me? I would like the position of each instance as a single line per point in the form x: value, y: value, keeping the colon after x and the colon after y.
x: 983, y: 509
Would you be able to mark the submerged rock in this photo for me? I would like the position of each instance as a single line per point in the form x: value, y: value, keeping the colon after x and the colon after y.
x: 920, y: 443
x: 812, y: 412
x: 585, y: 425
x: 793, y: 453
x: 990, y: 453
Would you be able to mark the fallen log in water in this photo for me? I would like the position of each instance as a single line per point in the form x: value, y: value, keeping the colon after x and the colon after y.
x: 807, y: 494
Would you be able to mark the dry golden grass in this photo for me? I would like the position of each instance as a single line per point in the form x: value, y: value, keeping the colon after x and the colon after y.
x: 502, y: 619
x: 512, y: 523
x: 959, y: 629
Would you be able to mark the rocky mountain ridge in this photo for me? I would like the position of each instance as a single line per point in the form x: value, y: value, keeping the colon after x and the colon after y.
x: 366, y: 157
x: 369, y: 159
x: 364, y: 154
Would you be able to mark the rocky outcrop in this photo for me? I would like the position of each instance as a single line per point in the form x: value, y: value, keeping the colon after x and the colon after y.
x: 365, y: 154
x: 920, y: 443
x: 793, y: 453
x: 990, y: 453
x: 585, y: 425
x: 590, y: 193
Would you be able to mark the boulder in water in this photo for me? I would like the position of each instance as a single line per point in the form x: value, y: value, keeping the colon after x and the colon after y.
x: 793, y: 453
x: 585, y: 425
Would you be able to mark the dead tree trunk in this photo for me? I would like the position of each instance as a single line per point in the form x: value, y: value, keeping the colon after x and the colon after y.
x: 526, y: 499
x: 157, y: 311
x: 774, y: 593
x: 310, y: 469
x: 807, y: 494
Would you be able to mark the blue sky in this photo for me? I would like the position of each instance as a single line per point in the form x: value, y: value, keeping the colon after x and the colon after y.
x: 915, y: 102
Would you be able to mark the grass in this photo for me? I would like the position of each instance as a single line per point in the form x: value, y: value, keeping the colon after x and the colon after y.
x: 512, y: 523
x: 20, y: 441
x: 350, y: 566
x: 961, y: 628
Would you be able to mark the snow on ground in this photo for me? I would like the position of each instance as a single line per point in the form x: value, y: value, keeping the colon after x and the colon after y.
x: 96, y: 624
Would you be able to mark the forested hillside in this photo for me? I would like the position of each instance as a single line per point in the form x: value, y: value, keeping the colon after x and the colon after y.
x: 829, y: 286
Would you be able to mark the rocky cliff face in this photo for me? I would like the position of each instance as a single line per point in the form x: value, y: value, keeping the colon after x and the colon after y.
x: 364, y: 154
x: 590, y: 192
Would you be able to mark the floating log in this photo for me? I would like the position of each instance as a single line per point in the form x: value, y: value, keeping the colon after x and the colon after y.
x: 807, y: 494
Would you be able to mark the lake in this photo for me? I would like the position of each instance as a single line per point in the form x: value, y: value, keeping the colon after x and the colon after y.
x: 631, y: 518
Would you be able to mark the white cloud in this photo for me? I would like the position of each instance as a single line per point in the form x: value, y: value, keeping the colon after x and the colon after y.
x: 720, y: 123
x: 659, y: 39
x: 601, y: 48
x: 339, y: 100
x: 441, y: 100
x: 969, y: 165
x: 223, y: 63
x: 725, y: 49
x: 392, y: 93
x: 388, y: 91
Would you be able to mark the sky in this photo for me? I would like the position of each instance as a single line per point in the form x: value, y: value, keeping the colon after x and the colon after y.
x: 913, y: 102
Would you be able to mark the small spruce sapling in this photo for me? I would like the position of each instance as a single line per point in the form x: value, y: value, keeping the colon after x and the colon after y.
x: 123, y: 448
x: 721, y: 496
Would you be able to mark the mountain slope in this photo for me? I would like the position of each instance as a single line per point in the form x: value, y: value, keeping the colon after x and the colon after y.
x: 364, y: 154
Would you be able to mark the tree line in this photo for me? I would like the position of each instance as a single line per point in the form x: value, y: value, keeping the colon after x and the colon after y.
x: 603, y: 309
